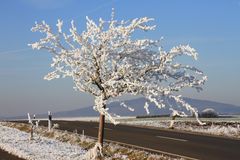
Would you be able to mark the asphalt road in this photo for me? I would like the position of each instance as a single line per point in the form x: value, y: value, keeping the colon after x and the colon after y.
x: 194, y: 146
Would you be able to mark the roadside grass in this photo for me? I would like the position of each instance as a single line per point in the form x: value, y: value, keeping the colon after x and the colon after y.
x: 227, y: 127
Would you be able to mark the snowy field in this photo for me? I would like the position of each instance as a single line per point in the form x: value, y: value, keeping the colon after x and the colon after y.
x: 229, y: 127
x: 62, y: 145
x: 17, y: 142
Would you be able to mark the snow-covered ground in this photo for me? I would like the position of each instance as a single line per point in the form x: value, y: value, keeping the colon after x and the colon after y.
x: 229, y: 127
x: 17, y: 142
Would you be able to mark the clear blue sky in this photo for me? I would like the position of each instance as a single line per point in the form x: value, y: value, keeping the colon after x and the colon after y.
x: 212, y: 27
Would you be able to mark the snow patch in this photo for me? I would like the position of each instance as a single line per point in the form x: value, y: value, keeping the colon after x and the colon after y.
x: 17, y: 142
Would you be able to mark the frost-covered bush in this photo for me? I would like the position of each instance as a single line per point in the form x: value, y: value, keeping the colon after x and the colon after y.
x: 209, y: 113
x: 94, y: 152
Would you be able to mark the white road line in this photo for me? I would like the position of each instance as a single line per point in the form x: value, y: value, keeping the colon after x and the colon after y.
x: 146, y: 149
x: 176, y: 139
x: 105, y: 128
x: 151, y: 150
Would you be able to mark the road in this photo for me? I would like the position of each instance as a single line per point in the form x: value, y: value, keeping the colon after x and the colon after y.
x: 194, y: 146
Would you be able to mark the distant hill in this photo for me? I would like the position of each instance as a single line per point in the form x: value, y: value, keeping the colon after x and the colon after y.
x: 137, y: 104
x: 221, y: 108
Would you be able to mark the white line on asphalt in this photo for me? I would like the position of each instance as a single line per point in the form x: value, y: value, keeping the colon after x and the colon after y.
x: 153, y: 150
x: 147, y: 149
x: 105, y: 128
x: 176, y: 139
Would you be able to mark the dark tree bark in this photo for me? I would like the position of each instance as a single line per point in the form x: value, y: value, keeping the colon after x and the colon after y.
x: 101, y: 128
x: 31, y: 132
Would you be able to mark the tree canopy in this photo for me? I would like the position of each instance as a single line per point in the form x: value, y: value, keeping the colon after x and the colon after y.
x: 107, y: 62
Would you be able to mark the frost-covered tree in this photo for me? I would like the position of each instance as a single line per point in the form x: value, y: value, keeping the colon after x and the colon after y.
x: 105, y: 61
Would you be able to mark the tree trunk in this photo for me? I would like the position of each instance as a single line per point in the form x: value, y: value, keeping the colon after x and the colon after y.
x: 31, y: 132
x: 101, y: 128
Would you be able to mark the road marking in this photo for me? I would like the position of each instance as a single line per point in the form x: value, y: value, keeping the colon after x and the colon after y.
x: 105, y: 128
x: 144, y: 148
x: 150, y: 150
x: 147, y: 149
x: 176, y: 139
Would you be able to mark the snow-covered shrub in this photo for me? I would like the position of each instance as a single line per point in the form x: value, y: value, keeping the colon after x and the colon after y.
x: 209, y: 113
x: 55, y: 126
x: 94, y: 152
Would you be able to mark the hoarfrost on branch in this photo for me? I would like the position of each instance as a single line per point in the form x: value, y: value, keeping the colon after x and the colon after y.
x: 105, y: 61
